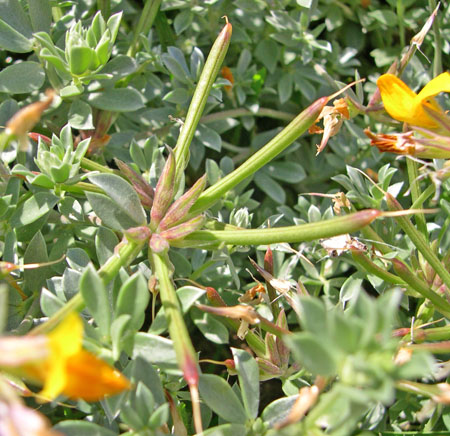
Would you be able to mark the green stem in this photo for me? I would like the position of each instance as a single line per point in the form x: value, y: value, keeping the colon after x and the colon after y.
x: 242, y: 112
x: 421, y: 287
x: 431, y: 334
x: 185, y: 352
x: 81, y: 188
x: 370, y: 267
x: 90, y: 165
x: 305, y: 232
x: 274, y: 147
x: 127, y: 253
x: 145, y: 23
x: 413, y: 174
x: 437, y: 58
x: 419, y: 241
x: 400, y: 20
x: 201, y: 93
x: 424, y: 196
x: 371, y: 235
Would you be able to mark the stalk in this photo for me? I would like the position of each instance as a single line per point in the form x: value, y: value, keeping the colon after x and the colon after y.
x: 306, y: 232
x: 127, y: 253
x: 372, y: 268
x: 413, y: 174
x: 184, y: 350
x: 144, y: 24
x: 419, y: 241
x: 272, y: 149
x: 90, y: 165
x: 201, y: 93
x: 421, y: 287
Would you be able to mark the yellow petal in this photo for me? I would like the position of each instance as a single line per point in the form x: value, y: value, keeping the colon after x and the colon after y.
x: 64, y: 342
x: 398, y: 99
x: 91, y: 379
x: 403, y: 104
x: 439, y: 84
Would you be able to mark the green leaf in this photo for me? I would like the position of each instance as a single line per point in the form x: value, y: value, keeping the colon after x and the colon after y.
x: 159, y: 416
x: 13, y: 13
x: 141, y: 371
x: 120, y: 66
x: 133, y: 299
x: 80, y: 115
x: 177, y: 96
x: 313, y: 315
x: 36, y: 252
x: 71, y: 91
x: 22, y: 78
x: 277, y: 411
x: 96, y: 299
x: 156, y: 350
x: 212, y: 329
x: 176, y: 66
x: 208, y: 137
x: 182, y: 21
x: 49, y: 302
x: 117, y: 100
x: 350, y: 288
x: 248, y: 374
x: 82, y: 428
x: 123, y: 195
x: 285, y: 87
x: 33, y: 208
x: 105, y: 242
x: 219, y: 396
x: 267, y: 52
x: 109, y: 212
x: 117, y: 332
x: 12, y: 40
x: 226, y: 430
x: 384, y: 16
x: 40, y: 13
x: 289, y: 172
x: 270, y: 187
x: 7, y: 109
x: 312, y: 353
x: 187, y: 296
x: 80, y: 59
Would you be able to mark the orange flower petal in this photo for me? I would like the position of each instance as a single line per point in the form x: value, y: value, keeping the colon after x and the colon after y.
x: 91, y: 379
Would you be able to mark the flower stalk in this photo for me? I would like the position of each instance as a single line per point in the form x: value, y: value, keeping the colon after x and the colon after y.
x: 419, y: 241
x: 184, y: 350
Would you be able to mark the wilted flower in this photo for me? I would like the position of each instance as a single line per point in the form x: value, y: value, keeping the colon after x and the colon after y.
x: 58, y: 362
x: 403, y: 104
x: 333, y: 117
x: 433, y: 147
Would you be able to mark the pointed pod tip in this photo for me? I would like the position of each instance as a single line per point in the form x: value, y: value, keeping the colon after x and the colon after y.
x: 227, y: 30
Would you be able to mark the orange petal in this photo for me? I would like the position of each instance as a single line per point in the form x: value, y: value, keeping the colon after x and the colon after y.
x: 91, y: 379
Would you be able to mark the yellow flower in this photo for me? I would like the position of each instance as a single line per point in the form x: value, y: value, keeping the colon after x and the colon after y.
x: 64, y: 367
x: 403, y: 104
